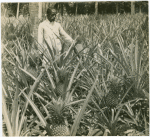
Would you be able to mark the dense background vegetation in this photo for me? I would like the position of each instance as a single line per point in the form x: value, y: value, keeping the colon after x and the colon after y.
x: 101, y: 88
x: 81, y: 7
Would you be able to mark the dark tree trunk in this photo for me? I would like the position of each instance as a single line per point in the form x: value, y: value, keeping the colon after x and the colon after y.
x: 61, y: 8
x: 116, y: 7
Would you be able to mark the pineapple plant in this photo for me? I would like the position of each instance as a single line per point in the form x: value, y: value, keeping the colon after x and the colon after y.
x: 58, y: 117
x: 59, y: 107
x: 61, y: 80
x: 60, y: 112
x: 112, y: 98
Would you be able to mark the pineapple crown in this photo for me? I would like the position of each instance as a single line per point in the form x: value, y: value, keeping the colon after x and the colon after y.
x: 62, y: 72
x: 115, y: 85
x: 58, y: 110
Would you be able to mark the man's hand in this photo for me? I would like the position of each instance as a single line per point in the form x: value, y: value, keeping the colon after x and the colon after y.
x: 79, y: 47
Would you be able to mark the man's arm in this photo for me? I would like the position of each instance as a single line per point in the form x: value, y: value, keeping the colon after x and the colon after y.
x: 64, y: 35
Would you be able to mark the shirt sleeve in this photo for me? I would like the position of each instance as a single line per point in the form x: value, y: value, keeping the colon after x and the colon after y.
x: 40, y: 34
x: 64, y: 35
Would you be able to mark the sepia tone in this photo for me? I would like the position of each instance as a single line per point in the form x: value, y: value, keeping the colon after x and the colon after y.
x: 75, y: 68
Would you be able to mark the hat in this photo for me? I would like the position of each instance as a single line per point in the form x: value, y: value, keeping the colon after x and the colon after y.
x: 51, y: 11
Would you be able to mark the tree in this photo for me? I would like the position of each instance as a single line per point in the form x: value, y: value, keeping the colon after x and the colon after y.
x: 3, y: 9
x: 61, y: 8
x: 12, y: 8
x: 96, y: 8
x: 116, y: 7
x: 34, y: 17
x: 17, y: 15
x: 40, y: 11
x: 142, y: 6
x: 15, y: 9
x: 76, y: 11
x: 132, y: 7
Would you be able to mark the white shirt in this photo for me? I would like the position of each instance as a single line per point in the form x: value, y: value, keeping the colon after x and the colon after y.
x: 51, y: 32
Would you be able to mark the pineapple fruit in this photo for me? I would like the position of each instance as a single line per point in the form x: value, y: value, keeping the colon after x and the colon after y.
x: 113, y: 96
x: 111, y: 99
x: 59, y: 130
x: 59, y: 88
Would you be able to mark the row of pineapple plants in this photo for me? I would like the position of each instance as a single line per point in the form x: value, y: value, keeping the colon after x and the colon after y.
x: 103, y: 91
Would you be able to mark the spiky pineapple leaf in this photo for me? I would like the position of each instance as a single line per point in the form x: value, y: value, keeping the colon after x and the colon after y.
x: 6, y: 116
x: 82, y: 110
x: 37, y: 111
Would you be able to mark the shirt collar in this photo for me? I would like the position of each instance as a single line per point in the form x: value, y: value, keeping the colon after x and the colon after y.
x: 48, y: 21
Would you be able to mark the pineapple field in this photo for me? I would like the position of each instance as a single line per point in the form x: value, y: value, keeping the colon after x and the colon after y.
x: 98, y: 86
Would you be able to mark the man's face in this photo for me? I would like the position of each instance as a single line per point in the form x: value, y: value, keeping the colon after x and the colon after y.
x: 51, y: 17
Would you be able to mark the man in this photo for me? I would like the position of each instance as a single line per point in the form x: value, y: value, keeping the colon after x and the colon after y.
x: 50, y: 34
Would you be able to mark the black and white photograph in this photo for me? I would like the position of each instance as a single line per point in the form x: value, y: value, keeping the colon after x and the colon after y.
x: 75, y: 68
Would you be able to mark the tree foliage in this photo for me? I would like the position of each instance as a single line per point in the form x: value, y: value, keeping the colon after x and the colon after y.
x: 83, y: 7
x: 12, y: 8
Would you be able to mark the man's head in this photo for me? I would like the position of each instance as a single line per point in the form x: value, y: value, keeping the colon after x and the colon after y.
x: 51, y: 14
